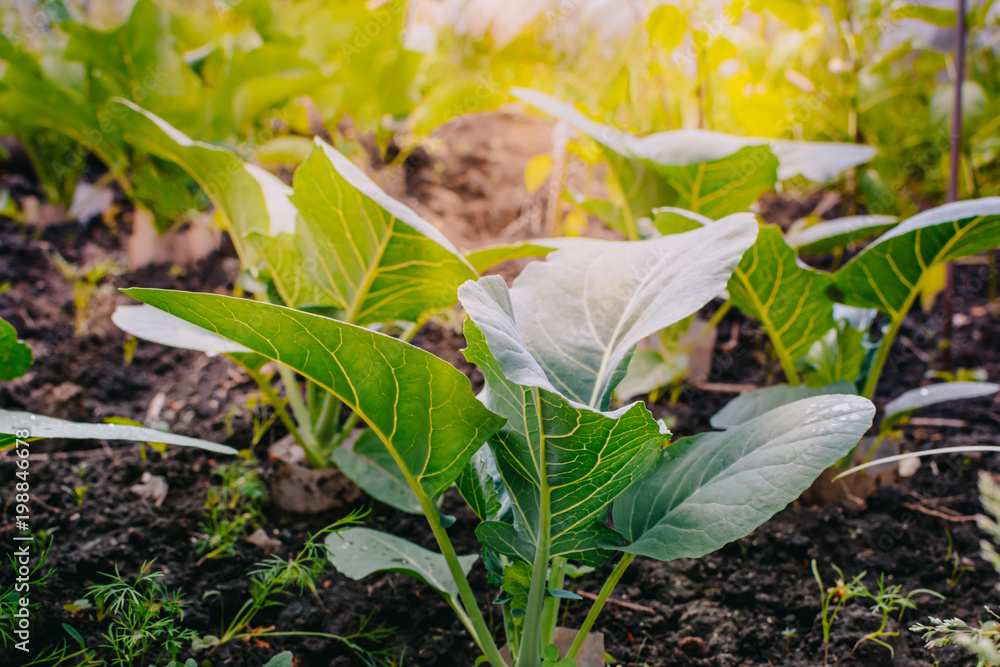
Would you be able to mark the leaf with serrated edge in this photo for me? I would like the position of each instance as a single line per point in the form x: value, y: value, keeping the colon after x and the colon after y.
x: 589, y: 456
x: 887, y: 274
x: 582, y: 311
x: 788, y: 298
x: 361, y: 250
x: 39, y: 426
x: 713, y: 488
x: 420, y: 406
x: 360, y: 552
x: 923, y: 397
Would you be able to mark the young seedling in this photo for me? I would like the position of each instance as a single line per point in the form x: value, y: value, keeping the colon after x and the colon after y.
x: 145, y: 617
x: 887, y: 601
x: 232, y: 509
x: 272, y: 578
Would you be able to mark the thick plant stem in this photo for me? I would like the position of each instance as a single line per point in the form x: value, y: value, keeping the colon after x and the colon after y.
x: 530, y: 653
x: 481, y: 632
x: 595, y: 610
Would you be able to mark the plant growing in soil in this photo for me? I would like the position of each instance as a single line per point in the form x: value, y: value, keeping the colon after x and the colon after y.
x: 886, y: 602
x: 334, y: 244
x: 145, y: 617
x: 274, y: 577
x: 983, y: 638
x: 551, y: 349
x: 232, y: 509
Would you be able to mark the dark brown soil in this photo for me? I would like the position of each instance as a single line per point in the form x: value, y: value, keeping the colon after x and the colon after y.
x: 753, y: 603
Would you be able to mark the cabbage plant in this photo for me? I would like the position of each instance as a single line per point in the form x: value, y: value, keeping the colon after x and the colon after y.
x: 335, y: 244
x: 556, y: 476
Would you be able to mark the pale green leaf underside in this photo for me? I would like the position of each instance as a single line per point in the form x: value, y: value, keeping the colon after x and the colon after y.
x: 753, y: 404
x: 158, y: 326
x: 589, y: 457
x: 581, y: 312
x: 360, y: 250
x: 887, y: 274
x: 713, y: 488
x: 923, y: 397
x: 829, y: 235
x: 420, y: 406
x: 360, y: 552
x: 38, y: 426
x: 789, y: 299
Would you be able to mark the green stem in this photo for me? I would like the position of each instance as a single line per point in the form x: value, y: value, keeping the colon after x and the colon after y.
x: 884, y: 346
x: 595, y: 610
x: 480, y: 631
x: 530, y: 652
x: 717, y: 316
x: 345, y: 430
x: 787, y: 365
x: 295, y: 400
x: 326, y: 423
x: 551, y: 612
x: 279, y: 406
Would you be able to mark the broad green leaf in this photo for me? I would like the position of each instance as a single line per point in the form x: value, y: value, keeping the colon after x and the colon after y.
x: 707, y: 172
x: 140, y: 60
x: 581, y: 312
x: 671, y: 220
x: 420, y: 407
x: 713, y: 488
x: 38, y: 426
x: 505, y: 539
x: 488, y: 257
x: 31, y: 102
x: 360, y: 552
x: 15, y: 357
x: 922, y: 397
x: 158, y: 326
x: 251, y: 199
x: 550, y: 443
x: 887, y: 274
x: 359, y: 249
x: 829, y: 235
x: 370, y: 465
x: 838, y: 355
x: 753, y: 404
x: 789, y: 299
